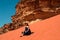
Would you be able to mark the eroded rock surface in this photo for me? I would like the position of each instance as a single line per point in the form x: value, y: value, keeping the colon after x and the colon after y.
x: 30, y: 10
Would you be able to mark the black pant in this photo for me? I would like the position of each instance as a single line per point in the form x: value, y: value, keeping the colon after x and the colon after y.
x: 27, y: 33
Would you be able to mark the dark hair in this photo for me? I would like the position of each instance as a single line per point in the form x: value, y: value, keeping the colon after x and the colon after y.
x: 26, y: 24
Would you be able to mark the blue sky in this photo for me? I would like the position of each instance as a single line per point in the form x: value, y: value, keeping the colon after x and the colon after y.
x: 7, y: 9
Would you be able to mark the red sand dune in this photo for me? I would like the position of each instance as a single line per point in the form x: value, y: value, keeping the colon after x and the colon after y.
x: 48, y: 29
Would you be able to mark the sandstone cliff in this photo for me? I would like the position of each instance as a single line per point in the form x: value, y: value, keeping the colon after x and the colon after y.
x: 30, y: 10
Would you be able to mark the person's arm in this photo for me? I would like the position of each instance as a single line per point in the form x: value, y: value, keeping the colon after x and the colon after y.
x: 27, y: 29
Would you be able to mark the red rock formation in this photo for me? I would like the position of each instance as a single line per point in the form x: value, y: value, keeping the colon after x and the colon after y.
x: 30, y: 10
x: 32, y: 7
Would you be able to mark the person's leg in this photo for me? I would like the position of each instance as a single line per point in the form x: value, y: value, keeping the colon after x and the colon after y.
x: 29, y: 32
x: 24, y: 33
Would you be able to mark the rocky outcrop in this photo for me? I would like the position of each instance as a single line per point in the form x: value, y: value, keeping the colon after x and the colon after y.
x: 30, y: 10
x: 27, y: 10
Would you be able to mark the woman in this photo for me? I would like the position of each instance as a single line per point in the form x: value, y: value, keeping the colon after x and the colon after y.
x: 27, y: 30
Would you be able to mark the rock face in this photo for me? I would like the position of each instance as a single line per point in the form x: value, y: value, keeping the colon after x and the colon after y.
x: 30, y: 10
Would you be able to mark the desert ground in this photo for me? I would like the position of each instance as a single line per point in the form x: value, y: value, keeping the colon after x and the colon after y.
x: 48, y: 29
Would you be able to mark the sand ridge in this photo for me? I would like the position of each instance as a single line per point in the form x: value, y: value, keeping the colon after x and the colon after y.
x: 48, y: 29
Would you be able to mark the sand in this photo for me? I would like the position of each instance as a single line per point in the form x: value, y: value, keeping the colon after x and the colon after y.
x: 48, y: 29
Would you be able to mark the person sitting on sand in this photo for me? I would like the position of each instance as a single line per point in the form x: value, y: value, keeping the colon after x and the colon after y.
x: 27, y: 30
